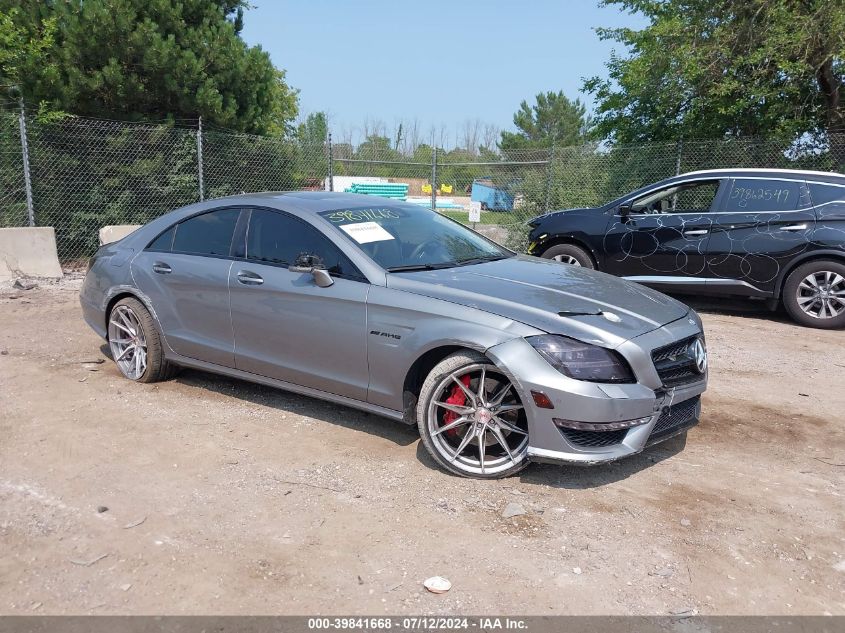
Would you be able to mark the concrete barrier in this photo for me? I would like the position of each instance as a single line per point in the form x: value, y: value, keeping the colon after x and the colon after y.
x: 115, y: 232
x: 28, y: 252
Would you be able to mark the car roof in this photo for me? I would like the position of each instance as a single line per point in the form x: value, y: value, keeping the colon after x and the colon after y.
x: 818, y: 176
x: 762, y: 172
x: 309, y: 201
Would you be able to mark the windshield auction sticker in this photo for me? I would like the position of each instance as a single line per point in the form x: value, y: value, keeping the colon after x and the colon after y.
x: 362, y: 215
x: 365, y: 232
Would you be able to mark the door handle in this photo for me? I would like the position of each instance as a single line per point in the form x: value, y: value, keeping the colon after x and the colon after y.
x: 692, y: 232
x: 794, y: 227
x: 161, y: 268
x: 249, y: 278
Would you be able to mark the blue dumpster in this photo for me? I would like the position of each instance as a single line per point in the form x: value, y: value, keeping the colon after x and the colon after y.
x: 491, y: 197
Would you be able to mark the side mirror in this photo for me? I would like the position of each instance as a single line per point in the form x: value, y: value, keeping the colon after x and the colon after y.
x: 625, y: 208
x: 312, y: 264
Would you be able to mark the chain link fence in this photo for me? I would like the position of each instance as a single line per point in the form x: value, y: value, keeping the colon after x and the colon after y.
x: 85, y: 173
x: 13, y: 204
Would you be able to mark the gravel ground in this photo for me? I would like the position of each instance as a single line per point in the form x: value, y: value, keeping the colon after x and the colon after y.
x: 210, y: 495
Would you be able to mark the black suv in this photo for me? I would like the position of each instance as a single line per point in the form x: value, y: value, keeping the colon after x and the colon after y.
x: 770, y: 233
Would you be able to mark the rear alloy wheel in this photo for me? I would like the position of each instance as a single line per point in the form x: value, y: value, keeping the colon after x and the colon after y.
x: 569, y: 254
x: 135, y: 343
x: 471, y: 419
x: 814, y: 294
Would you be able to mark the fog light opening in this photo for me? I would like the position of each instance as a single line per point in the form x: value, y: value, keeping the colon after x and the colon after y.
x: 601, y: 426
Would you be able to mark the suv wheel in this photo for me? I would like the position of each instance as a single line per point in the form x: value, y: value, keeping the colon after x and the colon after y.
x: 569, y: 254
x: 814, y: 294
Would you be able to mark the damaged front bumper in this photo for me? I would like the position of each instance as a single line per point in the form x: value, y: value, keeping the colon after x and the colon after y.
x: 593, y: 423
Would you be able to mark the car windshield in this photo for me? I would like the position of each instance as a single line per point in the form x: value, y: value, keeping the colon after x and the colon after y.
x: 406, y: 238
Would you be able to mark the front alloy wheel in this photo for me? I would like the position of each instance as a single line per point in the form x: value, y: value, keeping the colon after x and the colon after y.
x: 571, y: 254
x: 472, y: 420
x: 566, y: 259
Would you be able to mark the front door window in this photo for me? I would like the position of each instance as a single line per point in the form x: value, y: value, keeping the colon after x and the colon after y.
x: 689, y: 197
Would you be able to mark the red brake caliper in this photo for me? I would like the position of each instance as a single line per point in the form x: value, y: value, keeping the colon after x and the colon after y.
x: 458, y: 398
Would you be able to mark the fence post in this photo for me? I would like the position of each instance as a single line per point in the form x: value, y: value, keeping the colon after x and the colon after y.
x: 199, y: 159
x: 27, y: 178
x: 549, y: 176
x: 433, y: 178
x: 331, y: 164
x: 678, y: 159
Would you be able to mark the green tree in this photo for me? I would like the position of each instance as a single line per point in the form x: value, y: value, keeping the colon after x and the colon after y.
x: 713, y: 68
x: 23, y: 51
x: 312, y: 135
x: 376, y: 147
x: 148, y: 59
x: 552, y: 119
x: 314, y: 130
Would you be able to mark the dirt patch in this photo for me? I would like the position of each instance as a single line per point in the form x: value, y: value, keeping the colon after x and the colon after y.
x: 258, y: 501
x: 756, y: 424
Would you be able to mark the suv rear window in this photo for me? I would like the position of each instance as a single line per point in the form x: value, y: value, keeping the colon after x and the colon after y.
x: 822, y: 194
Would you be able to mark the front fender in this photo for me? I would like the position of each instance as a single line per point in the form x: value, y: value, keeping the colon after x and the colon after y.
x: 402, y: 327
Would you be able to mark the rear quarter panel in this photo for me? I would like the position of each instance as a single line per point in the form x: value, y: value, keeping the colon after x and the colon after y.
x: 830, y: 225
x: 108, y: 277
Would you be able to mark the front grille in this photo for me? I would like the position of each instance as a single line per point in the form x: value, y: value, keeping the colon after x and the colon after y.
x: 674, y: 419
x: 675, y: 363
x: 594, y: 439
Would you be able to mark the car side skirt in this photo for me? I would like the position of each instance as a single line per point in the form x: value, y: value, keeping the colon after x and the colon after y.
x: 699, y: 285
x: 286, y: 386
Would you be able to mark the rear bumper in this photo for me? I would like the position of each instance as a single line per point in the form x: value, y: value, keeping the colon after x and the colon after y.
x: 92, y: 309
x: 659, y: 413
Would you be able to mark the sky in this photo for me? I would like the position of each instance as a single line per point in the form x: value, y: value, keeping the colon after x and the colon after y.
x: 441, y: 62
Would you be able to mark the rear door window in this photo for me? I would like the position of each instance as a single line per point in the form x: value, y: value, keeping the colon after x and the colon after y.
x: 749, y: 195
x: 207, y: 234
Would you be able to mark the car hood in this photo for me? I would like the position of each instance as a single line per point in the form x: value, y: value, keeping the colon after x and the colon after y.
x: 552, y: 297
x: 553, y: 214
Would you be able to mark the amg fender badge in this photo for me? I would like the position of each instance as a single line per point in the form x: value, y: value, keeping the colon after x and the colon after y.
x: 385, y: 334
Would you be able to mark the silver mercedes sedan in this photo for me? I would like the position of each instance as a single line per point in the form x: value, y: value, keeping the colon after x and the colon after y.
x: 499, y: 359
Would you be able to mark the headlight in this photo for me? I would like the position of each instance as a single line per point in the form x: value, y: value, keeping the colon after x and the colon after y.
x: 581, y: 360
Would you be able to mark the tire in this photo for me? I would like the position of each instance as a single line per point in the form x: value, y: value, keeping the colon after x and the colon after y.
x: 569, y: 254
x: 814, y: 294
x: 455, y: 445
x: 135, y: 343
